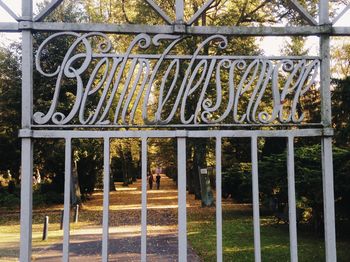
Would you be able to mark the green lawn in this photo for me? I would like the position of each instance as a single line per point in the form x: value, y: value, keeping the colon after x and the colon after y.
x: 238, y: 239
x: 10, y: 231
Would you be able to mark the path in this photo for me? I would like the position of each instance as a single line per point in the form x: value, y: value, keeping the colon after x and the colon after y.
x: 125, y: 229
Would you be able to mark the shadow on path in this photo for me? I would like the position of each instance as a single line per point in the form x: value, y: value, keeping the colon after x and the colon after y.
x: 125, y: 229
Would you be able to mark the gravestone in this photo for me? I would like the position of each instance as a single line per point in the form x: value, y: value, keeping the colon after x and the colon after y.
x: 206, y: 192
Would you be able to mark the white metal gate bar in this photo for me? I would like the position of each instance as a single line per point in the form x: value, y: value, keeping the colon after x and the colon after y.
x: 327, y: 160
x: 179, y: 11
x: 312, y: 132
x: 106, y: 188
x: 27, y: 142
x: 256, y: 206
x: 324, y: 29
x: 328, y: 199
x: 218, y: 198
x: 170, y: 29
x: 144, y: 199
x: 291, y: 201
x: 181, y: 182
x: 67, y: 193
x: 26, y: 199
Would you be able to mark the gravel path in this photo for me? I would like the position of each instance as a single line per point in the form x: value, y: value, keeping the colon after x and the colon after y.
x: 125, y: 236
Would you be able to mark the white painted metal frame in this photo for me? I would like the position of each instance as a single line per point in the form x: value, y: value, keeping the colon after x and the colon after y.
x: 144, y: 199
x: 181, y: 181
x: 292, y: 201
x: 322, y: 28
x: 67, y: 193
x: 106, y: 185
x: 256, y: 201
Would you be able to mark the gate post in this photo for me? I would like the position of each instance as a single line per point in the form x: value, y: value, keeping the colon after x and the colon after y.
x: 327, y: 159
x: 181, y: 179
x: 25, y: 134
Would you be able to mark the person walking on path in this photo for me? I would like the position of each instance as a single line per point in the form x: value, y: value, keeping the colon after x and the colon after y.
x: 150, y: 181
x: 158, y: 181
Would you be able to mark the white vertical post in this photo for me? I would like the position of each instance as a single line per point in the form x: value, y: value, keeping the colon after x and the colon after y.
x: 327, y: 161
x: 26, y: 199
x: 291, y: 201
x: 328, y: 199
x: 181, y: 179
x: 218, y: 201
x: 27, y: 145
x: 179, y: 10
x: 255, y: 188
x: 106, y: 180
x: 67, y: 182
x: 325, y: 77
x: 144, y: 199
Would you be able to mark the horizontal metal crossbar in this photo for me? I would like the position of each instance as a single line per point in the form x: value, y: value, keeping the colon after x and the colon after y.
x: 170, y: 29
x: 180, y: 126
x: 178, y: 133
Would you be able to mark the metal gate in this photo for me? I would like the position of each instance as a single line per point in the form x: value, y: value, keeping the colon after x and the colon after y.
x: 206, y: 121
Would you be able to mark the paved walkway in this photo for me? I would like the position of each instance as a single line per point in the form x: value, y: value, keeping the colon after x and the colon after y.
x: 125, y: 229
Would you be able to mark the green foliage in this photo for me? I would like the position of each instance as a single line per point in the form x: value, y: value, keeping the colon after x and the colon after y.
x: 237, y: 182
x: 308, y: 180
x: 47, y: 198
x: 9, y: 201
x: 341, y: 111
x: 88, y: 170
x: 10, y: 107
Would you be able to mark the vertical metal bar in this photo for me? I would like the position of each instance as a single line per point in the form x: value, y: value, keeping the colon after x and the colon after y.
x: 67, y: 182
x: 291, y: 201
x: 144, y: 200
x: 325, y: 67
x: 328, y: 199
x: 27, y: 144
x: 327, y: 161
x: 179, y: 9
x: 255, y: 187
x: 26, y: 199
x: 218, y: 201
x: 181, y: 176
x: 106, y: 178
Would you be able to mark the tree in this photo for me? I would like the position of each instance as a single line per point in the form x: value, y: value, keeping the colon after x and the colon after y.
x: 341, y: 111
x: 340, y: 59
x: 10, y: 108
x: 308, y: 181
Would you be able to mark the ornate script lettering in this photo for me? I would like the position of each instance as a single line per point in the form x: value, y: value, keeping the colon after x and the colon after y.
x: 150, y: 83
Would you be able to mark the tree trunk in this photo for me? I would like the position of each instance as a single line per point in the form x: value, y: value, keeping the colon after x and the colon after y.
x: 75, y: 188
x: 199, y: 160
x: 190, y: 174
x: 111, y: 182
x: 125, y: 170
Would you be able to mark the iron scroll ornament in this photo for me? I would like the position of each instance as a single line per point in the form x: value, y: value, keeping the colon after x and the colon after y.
x: 169, y: 89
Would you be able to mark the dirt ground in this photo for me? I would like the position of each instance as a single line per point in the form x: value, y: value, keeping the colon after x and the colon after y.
x: 125, y: 229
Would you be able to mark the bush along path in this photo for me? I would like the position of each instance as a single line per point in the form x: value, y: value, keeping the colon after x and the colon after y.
x: 125, y: 227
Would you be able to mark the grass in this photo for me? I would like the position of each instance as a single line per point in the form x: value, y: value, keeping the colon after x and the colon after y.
x: 238, y: 238
x: 10, y: 231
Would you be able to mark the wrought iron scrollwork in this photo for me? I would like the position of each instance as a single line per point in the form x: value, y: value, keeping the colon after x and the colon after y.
x: 166, y: 88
